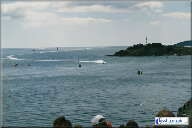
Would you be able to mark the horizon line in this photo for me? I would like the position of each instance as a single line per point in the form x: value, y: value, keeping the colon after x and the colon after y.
x: 92, y: 45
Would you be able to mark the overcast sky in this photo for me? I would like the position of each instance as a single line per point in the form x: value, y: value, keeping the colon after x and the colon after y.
x: 102, y: 23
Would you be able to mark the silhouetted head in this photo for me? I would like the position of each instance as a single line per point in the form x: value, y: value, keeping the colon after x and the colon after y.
x: 165, y: 113
x: 77, y: 126
x: 132, y: 124
x: 61, y: 122
x: 99, y: 121
x: 122, y: 126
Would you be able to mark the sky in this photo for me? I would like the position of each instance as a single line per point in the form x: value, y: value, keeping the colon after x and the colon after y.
x: 37, y: 24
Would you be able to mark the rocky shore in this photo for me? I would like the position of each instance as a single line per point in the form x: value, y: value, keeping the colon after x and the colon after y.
x: 154, y: 49
x: 186, y: 111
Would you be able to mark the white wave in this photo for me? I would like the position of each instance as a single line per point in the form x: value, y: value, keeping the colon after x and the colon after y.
x: 46, y: 51
x: 100, y: 62
x: 12, y: 57
x: 54, y: 60
x: 95, y: 61
x: 88, y: 48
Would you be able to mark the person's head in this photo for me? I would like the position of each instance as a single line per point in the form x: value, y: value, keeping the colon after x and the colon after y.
x: 99, y: 121
x: 165, y: 113
x: 61, y: 122
x: 122, y: 126
x: 77, y: 126
x: 132, y: 124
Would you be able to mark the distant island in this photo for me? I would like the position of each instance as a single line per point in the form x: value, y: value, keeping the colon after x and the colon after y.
x: 156, y: 49
x: 185, y: 43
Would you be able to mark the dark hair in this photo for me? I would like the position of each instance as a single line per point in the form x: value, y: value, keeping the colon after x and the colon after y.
x: 78, y: 126
x: 102, y: 124
x: 122, y: 126
x: 132, y: 124
x: 61, y: 122
x: 165, y: 113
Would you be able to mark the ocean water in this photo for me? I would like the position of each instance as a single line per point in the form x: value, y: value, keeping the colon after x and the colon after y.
x: 48, y: 83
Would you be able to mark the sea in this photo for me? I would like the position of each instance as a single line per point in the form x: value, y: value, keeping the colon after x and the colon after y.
x: 42, y: 84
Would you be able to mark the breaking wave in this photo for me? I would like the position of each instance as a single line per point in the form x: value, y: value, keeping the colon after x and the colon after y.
x: 47, y: 60
x: 12, y: 57
x: 95, y: 61
x: 47, y: 51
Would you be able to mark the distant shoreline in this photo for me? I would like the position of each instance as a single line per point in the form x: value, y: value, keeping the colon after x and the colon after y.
x: 154, y: 49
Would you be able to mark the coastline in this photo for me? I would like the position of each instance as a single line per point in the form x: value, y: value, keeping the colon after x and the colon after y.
x: 154, y: 49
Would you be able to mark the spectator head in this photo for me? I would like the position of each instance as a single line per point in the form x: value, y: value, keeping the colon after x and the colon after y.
x: 77, y: 126
x: 165, y: 113
x: 99, y: 121
x: 122, y: 126
x: 132, y: 124
x: 61, y: 122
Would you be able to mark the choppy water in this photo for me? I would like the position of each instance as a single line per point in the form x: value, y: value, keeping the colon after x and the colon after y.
x: 47, y: 84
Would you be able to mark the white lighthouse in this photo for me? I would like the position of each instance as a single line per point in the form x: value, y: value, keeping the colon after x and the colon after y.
x: 146, y: 40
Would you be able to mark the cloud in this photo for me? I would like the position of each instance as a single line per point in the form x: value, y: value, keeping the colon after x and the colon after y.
x: 16, y: 10
x: 178, y: 15
x: 36, y: 14
x: 66, y: 6
x: 23, y: 6
x: 86, y: 20
x: 93, y: 8
x: 156, y: 22
x: 150, y: 4
x: 36, y: 19
x: 150, y: 7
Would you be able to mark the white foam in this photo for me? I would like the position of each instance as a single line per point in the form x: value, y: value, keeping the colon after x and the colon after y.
x: 49, y: 60
x: 88, y: 48
x: 100, y: 62
x: 53, y: 60
x: 11, y: 57
x: 47, y: 51
x: 95, y: 61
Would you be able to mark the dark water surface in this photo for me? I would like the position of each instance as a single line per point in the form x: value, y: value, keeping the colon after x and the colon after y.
x: 47, y: 84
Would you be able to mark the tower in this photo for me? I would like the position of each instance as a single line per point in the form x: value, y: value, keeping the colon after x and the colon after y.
x: 146, y: 40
